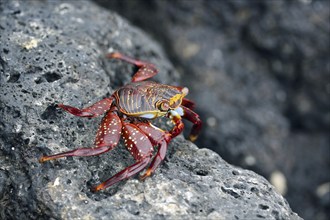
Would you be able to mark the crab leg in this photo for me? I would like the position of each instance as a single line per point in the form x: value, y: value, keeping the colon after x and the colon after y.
x: 124, y: 174
x: 107, y: 138
x: 157, y: 137
x: 94, y: 110
x: 158, y: 159
x: 146, y: 70
x: 161, y: 139
x: 194, y: 118
x: 188, y: 103
x: 141, y: 149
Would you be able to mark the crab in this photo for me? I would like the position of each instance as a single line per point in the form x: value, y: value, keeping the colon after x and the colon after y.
x: 128, y: 113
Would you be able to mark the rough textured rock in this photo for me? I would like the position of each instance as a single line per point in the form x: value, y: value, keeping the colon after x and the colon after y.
x: 260, y: 73
x: 54, y: 52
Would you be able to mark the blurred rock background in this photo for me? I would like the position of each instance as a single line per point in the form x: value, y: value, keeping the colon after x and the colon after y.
x: 259, y: 72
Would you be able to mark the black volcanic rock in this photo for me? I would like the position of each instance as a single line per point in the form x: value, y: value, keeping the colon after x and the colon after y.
x: 53, y: 52
x: 259, y: 71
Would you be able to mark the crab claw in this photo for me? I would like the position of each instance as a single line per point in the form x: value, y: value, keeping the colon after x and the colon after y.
x: 191, y: 116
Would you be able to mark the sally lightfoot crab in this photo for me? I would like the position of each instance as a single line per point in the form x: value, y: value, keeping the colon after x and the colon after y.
x: 128, y: 113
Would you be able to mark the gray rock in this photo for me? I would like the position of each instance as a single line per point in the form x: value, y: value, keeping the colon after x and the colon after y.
x: 259, y: 71
x: 53, y: 52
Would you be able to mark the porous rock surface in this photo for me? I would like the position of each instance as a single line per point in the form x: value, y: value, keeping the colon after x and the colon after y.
x: 53, y: 52
x: 260, y: 72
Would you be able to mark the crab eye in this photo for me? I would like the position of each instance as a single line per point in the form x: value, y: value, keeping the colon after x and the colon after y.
x: 163, y: 105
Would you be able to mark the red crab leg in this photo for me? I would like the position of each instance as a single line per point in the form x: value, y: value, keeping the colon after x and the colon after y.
x: 194, y: 118
x: 188, y: 103
x: 107, y: 138
x: 161, y: 138
x: 159, y: 157
x: 157, y: 137
x: 94, y: 110
x: 141, y: 149
x: 145, y: 71
x: 124, y: 174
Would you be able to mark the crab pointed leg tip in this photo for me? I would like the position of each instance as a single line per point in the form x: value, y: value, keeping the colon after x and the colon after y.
x: 147, y: 174
x: 94, y: 189
x: 42, y: 159
x: 192, y: 138
x: 113, y: 55
x: 97, y: 188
